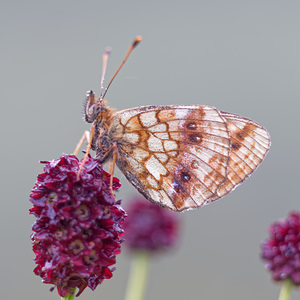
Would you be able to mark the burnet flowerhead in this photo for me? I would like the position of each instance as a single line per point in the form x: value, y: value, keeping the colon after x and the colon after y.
x: 281, y: 251
x: 78, y: 228
x: 150, y: 227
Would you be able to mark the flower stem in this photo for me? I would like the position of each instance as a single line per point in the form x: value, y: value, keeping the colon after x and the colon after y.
x: 68, y: 296
x: 285, y: 290
x: 138, y: 276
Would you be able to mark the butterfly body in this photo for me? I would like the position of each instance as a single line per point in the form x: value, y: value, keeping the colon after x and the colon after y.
x: 178, y: 156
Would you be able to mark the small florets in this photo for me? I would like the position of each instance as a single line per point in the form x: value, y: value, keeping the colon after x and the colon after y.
x: 150, y: 227
x: 282, y: 250
x: 78, y: 227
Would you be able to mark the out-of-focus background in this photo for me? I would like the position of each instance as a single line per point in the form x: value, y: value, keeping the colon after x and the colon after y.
x: 239, y: 56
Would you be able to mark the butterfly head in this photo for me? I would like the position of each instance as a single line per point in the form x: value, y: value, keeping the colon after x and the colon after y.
x: 93, y: 107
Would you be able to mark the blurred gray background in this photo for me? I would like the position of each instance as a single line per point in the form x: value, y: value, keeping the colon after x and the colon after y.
x: 239, y: 56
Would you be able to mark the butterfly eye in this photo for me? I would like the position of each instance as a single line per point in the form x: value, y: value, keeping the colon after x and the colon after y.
x: 92, y: 107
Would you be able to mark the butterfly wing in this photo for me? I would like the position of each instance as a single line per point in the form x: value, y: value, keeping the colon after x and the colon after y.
x: 176, y: 156
x: 250, y: 143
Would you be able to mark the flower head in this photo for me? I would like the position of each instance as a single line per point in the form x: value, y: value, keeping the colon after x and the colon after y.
x: 150, y: 227
x: 282, y: 250
x: 78, y: 227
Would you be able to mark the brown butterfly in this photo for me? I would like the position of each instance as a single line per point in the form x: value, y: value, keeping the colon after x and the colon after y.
x: 178, y: 156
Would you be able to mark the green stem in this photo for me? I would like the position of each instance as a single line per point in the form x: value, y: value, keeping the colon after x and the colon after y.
x: 68, y: 296
x: 285, y: 290
x: 138, y: 276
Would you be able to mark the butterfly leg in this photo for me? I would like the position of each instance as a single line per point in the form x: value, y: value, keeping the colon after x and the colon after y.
x: 112, y: 167
x: 85, y: 136
x: 88, y: 149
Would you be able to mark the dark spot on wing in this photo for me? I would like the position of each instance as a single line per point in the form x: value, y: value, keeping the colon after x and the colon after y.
x: 236, y: 146
x: 195, y: 164
x: 243, y: 133
x: 195, y: 137
x: 191, y: 125
x: 185, y: 176
x: 177, y: 186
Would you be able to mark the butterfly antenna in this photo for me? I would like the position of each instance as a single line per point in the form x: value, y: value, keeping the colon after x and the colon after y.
x: 133, y: 45
x: 104, y: 66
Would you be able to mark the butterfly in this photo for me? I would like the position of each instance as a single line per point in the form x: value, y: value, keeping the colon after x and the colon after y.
x: 178, y: 156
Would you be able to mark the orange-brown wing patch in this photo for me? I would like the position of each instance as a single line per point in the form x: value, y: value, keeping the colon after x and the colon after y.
x: 250, y: 143
x: 176, y: 156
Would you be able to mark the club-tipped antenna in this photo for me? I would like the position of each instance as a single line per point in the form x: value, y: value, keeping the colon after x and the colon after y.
x: 133, y: 45
x: 104, y: 66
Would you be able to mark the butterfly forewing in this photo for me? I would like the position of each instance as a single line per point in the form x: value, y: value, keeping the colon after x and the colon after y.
x: 176, y: 156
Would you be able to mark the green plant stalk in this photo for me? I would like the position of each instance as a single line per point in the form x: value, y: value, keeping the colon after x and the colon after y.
x: 68, y: 296
x: 285, y: 291
x: 138, y: 276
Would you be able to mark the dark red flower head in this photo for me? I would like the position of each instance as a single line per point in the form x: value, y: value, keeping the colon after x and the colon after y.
x: 150, y: 227
x: 282, y: 250
x: 78, y: 227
